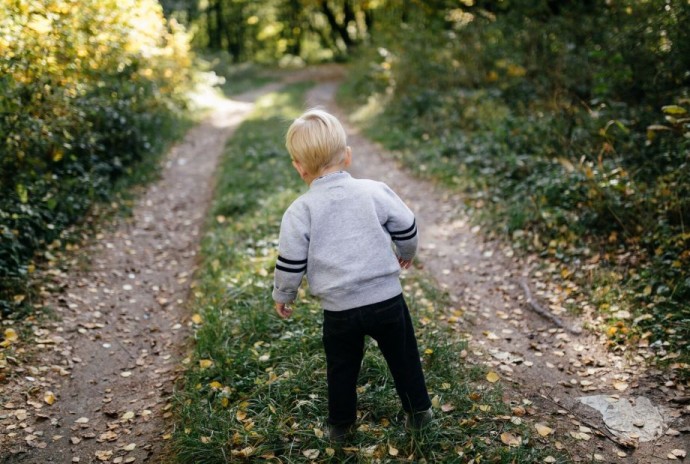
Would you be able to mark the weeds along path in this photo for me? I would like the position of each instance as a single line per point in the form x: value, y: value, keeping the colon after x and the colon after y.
x: 545, y: 368
x: 108, y: 361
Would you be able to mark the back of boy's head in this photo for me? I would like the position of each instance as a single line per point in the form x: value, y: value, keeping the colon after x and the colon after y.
x: 316, y: 140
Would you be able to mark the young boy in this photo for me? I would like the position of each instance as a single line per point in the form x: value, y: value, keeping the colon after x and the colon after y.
x: 339, y: 233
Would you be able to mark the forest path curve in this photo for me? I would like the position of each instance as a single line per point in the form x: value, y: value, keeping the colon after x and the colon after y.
x: 548, y: 366
x: 111, y: 358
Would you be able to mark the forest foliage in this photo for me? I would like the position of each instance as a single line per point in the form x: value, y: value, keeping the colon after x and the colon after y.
x: 566, y: 122
x: 88, y: 90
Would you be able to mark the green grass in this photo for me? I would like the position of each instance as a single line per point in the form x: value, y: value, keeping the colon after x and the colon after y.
x: 255, y: 384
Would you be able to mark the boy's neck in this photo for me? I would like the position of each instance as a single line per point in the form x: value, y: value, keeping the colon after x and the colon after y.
x: 325, y: 172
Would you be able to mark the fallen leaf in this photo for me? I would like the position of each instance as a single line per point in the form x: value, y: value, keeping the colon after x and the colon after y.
x: 392, y: 451
x: 511, y: 440
x: 519, y: 411
x: 215, y: 385
x: 205, y: 363
x: 104, y: 455
x: 318, y: 433
x: 549, y: 459
x: 10, y: 337
x: 241, y: 415
x: 197, y: 319
x: 311, y: 453
x: 108, y: 436
x: 128, y: 415
x: 492, y: 377
x: 330, y: 451
x: 620, y: 386
x: 447, y: 407
x: 82, y: 420
x: 679, y: 453
x: 542, y: 429
x: 130, y: 447
x: 49, y: 397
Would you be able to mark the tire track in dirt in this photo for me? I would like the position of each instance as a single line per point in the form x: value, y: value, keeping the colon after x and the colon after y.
x: 114, y: 353
x: 545, y: 365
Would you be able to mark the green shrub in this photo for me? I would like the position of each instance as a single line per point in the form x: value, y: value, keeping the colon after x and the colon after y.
x: 565, y: 120
x: 90, y: 90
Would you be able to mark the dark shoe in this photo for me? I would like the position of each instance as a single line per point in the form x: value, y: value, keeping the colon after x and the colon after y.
x: 339, y: 433
x: 418, y: 420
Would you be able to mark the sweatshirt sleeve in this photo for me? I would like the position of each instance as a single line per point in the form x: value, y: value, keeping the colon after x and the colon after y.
x: 400, y: 224
x: 291, y: 265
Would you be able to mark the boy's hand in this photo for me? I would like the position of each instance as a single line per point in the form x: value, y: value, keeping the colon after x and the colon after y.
x: 283, y: 310
x: 405, y: 263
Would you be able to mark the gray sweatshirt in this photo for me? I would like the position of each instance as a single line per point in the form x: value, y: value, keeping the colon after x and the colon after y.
x: 339, y: 233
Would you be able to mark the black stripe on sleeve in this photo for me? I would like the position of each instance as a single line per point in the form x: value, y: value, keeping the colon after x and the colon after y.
x: 406, y: 231
x: 291, y: 261
x: 399, y: 238
x: 289, y: 269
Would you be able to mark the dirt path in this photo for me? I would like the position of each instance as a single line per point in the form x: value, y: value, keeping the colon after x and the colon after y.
x: 547, y: 366
x: 112, y: 356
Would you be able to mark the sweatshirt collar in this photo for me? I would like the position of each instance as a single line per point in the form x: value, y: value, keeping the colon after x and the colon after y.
x: 330, y: 177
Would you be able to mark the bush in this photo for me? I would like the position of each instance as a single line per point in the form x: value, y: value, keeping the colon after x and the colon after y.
x: 567, y: 120
x: 90, y: 89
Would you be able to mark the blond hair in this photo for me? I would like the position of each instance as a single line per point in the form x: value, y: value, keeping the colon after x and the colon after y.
x: 316, y: 140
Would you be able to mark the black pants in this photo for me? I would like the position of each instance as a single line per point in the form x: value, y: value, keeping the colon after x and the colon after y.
x: 387, y: 322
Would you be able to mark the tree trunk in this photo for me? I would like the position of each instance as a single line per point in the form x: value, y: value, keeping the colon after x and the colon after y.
x: 339, y: 29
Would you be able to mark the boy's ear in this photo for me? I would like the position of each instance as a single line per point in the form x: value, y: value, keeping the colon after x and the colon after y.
x: 348, y: 156
x: 300, y: 169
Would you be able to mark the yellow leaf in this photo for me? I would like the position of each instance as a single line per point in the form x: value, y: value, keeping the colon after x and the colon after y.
x: 49, y: 397
x: 128, y: 415
x: 392, y: 451
x: 205, y: 363
x: 197, y: 319
x: 542, y: 429
x: 428, y: 351
x: 318, y: 433
x: 484, y: 408
x: 511, y: 440
x: 216, y: 385
x: 673, y: 110
x: 492, y: 377
x: 18, y: 298
x: 330, y: 452
x: 224, y: 402
x: 241, y: 415
x: 11, y: 335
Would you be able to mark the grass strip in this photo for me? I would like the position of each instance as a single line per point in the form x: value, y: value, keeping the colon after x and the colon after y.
x: 255, y: 385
